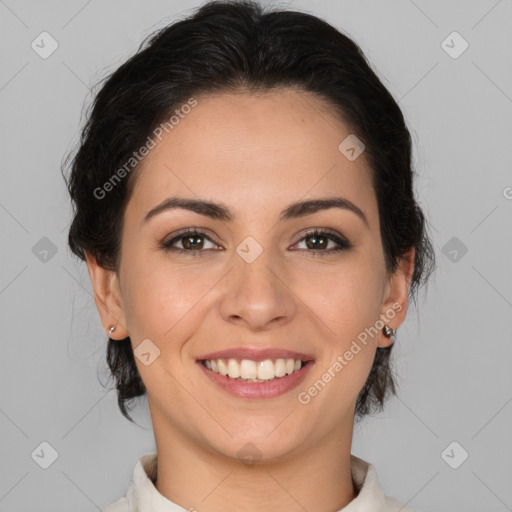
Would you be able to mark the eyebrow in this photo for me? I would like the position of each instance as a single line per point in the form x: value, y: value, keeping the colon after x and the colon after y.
x: 221, y: 212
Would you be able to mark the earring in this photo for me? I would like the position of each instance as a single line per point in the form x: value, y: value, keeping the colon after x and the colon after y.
x: 112, y: 329
x: 388, y: 331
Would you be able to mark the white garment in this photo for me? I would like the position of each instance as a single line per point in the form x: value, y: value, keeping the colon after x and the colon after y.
x: 142, y: 495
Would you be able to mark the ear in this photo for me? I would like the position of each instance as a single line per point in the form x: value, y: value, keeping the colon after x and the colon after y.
x: 107, y: 296
x: 396, y: 296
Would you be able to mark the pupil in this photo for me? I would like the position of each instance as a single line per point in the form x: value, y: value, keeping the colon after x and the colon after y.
x: 188, y: 245
x: 315, y: 239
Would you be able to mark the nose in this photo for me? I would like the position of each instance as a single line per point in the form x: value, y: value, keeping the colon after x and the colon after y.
x: 256, y: 294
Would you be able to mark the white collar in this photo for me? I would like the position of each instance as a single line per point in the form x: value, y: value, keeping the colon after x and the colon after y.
x: 142, y: 495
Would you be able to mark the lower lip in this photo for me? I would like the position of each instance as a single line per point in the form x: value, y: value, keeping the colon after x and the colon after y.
x: 276, y: 387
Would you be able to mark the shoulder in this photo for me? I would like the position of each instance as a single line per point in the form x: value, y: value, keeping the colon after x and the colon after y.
x: 393, y: 505
x: 121, y: 505
x: 140, y: 487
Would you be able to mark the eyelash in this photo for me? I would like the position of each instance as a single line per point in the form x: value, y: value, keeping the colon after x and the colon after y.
x: 342, y: 243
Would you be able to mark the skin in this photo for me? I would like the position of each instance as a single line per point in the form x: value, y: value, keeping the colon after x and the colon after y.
x: 255, y: 153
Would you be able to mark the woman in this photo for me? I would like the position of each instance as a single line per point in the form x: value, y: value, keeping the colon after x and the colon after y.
x: 244, y: 202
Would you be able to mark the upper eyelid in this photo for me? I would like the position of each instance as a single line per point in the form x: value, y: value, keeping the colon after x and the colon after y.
x: 187, y: 231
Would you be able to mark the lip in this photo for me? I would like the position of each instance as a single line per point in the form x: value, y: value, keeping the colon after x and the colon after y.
x: 257, y: 390
x: 256, y: 354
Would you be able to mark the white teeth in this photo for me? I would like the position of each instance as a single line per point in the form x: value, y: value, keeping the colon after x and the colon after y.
x: 233, y: 369
x: 280, y: 368
x: 248, y: 369
x: 222, y: 367
x: 266, y: 370
x: 254, y: 371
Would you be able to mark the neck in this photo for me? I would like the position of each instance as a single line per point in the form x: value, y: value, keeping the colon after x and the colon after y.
x: 197, y: 478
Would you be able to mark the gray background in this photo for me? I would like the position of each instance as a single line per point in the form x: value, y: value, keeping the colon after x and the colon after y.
x: 453, y: 354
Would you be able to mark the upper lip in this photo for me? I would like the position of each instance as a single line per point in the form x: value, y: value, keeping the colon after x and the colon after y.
x: 256, y: 354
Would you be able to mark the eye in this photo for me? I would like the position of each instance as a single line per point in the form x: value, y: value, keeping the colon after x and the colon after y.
x: 318, y: 241
x: 192, y: 241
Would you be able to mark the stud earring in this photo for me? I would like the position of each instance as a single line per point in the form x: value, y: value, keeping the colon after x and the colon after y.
x: 112, y: 329
x: 388, y: 331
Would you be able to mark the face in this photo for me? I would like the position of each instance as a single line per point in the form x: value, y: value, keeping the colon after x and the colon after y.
x: 256, y: 278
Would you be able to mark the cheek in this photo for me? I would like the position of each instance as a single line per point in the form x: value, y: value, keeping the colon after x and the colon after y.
x: 163, y: 301
x: 165, y: 306
x: 346, y: 305
x: 345, y: 299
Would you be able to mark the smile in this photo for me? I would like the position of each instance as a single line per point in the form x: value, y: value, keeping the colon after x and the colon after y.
x: 248, y: 370
x: 273, y: 384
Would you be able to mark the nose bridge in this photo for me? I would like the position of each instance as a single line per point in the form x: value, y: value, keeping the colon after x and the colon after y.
x: 257, y: 275
x: 256, y: 292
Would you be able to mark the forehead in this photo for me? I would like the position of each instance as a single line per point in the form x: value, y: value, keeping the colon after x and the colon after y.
x: 250, y: 150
